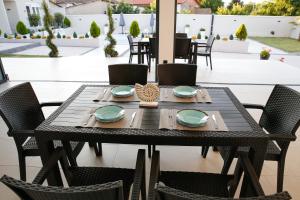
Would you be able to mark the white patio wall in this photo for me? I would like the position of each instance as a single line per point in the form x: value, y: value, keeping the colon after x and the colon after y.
x: 224, y: 24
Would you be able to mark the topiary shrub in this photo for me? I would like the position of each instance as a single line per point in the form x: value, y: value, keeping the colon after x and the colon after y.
x: 86, y: 35
x: 58, y: 35
x: 59, y: 19
x: 15, y: 35
x: 47, y: 23
x: 95, y: 30
x: 5, y: 35
x: 218, y: 37
x: 74, y: 35
x: 110, y: 48
x: 34, y: 19
x: 134, y: 29
x: 21, y: 28
x: 241, y: 32
x: 0, y: 32
x: 67, y: 22
x: 199, y: 36
x: 64, y: 36
x: 231, y: 37
x: 206, y: 37
x: 38, y: 37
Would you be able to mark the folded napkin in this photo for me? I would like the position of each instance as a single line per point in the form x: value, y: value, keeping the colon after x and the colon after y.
x: 89, y: 120
x: 105, y: 95
x: 166, y: 94
x: 168, y: 121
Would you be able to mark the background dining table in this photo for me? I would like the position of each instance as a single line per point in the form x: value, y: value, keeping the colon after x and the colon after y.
x: 242, y: 128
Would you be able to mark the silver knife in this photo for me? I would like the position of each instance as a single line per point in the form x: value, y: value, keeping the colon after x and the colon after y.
x: 104, y: 92
x: 215, y: 121
x: 132, y: 119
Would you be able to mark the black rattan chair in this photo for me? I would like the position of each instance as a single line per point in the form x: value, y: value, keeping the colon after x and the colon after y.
x: 152, y: 51
x: 205, y: 50
x: 172, y: 185
x: 281, y: 119
x: 133, y: 47
x: 181, y: 35
x: 85, y: 183
x: 22, y: 113
x: 127, y: 74
x: 177, y: 74
x: 183, y: 49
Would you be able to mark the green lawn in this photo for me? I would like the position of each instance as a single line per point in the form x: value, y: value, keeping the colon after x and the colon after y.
x: 283, y: 43
x: 21, y: 56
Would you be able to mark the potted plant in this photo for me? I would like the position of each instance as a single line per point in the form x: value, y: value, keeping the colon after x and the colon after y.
x: 265, y: 54
x: 187, y: 28
x: 134, y: 29
x: 218, y: 37
x: 202, y: 32
x: 241, y: 32
x: 95, y: 30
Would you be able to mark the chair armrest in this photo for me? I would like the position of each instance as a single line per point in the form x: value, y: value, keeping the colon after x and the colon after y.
x: 254, y: 106
x: 139, y: 182
x: 45, y: 104
x: 250, y: 173
x: 154, y: 175
x: 21, y: 133
x: 282, y: 137
x: 57, y: 154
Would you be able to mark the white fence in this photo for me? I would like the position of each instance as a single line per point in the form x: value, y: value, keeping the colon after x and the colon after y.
x: 224, y: 25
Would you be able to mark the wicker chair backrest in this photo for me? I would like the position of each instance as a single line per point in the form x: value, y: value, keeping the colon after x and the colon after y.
x: 28, y: 191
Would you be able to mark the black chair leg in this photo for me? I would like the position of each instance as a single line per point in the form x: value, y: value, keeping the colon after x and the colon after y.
x: 227, y: 162
x: 206, y: 60
x: 210, y: 62
x: 280, y: 175
x: 98, y: 148
x: 204, y: 151
x: 90, y: 144
x: 215, y: 148
x: 69, y: 151
x: 22, y: 167
x: 149, y: 151
x: 130, y: 58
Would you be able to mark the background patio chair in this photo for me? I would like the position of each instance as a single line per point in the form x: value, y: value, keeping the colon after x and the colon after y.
x: 177, y: 74
x: 151, y: 51
x: 85, y: 183
x: 172, y: 185
x: 205, y: 50
x: 281, y: 119
x: 127, y: 74
x: 181, y: 35
x: 183, y: 49
x: 22, y: 113
x: 133, y: 47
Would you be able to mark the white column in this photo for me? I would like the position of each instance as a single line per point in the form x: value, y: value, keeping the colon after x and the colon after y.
x: 167, y: 15
x: 4, y: 23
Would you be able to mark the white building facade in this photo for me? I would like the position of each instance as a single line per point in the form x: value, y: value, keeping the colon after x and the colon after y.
x: 13, y: 11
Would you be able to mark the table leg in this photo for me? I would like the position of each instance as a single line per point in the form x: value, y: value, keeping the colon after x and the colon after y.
x: 46, y: 148
x: 139, y: 53
x: 195, y: 54
x: 257, y: 156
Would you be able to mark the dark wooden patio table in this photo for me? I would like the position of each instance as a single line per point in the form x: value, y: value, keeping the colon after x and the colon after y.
x: 243, y: 130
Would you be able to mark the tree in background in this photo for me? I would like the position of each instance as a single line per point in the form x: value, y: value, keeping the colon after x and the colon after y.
x: 233, y: 2
x: 151, y: 8
x: 296, y: 4
x: 134, y: 29
x: 124, y: 8
x: 21, y: 28
x: 67, y: 22
x: 34, y: 19
x: 212, y: 4
x: 59, y: 19
x: 47, y: 24
x: 274, y: 8
x: 95, y: 30
x: 110, y: 48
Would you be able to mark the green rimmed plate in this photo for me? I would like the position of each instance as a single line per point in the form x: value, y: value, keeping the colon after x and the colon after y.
x: 184, y: 91
x: 110, y: 113
x: 122, y: 91
x: 192, y: 118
